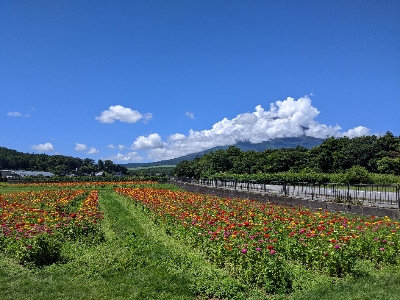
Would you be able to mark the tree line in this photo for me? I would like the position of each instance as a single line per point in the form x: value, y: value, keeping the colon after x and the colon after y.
x: 375, y: 154
x: 58, y: 164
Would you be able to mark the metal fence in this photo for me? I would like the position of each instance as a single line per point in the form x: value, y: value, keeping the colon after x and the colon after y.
x: 361, y: 194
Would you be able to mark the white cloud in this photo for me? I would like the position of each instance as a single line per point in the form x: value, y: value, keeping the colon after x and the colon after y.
x: 176, y: 137
x: 356, y: 131
x: 131, y: 156
x: 153, y: 141
x: 47, y: 147
x: 80, y: 147
x: 287, y: 118
x: 120, y: 147
x: 17, y: 114
x: 14, y: 114
x: 190, y: 115
x: 123, y: 114
x: 92, y: 151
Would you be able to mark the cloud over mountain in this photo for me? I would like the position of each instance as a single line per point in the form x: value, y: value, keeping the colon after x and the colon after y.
x: 287, y: 118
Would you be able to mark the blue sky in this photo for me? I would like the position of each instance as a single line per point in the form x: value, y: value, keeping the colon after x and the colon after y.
x: 139, y: 81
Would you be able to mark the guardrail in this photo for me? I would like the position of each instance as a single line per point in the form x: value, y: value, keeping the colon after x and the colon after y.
x: 360, y: 194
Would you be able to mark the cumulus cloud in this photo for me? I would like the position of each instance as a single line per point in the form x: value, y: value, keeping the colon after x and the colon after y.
x: 123, y: 114
x: 190, y: 115
x: 176, y: 137
x: 47, y: 147
x: 131, y: 156
x: 80, y: 147
x: 121, y: 147
x: 357, y: 131
x: 287, y: 118
x: 152, y: 141
x: 111, y: 146
x: 92, y: 150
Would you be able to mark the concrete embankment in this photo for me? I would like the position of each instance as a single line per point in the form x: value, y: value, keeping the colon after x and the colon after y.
x: 314, y: 205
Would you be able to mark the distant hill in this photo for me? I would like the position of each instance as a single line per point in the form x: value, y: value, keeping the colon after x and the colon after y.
x: 305, y: 141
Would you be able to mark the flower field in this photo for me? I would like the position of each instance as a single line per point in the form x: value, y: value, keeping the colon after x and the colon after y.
x: 261, y: 242
x: 91, y: 184
x: 34, y: 224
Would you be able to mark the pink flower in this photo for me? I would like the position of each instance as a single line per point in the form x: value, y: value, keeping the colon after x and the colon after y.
x: 272, y: 252
x: 244, y: 250
x: 382, y: 249
x: 337, y: 246
x: 258, y: 249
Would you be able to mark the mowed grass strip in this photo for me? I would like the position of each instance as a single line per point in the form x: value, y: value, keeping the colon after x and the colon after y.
x: 179, y: 264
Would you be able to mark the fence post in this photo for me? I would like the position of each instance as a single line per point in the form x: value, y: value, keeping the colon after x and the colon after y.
x: 398, y: 195
x: 312, y: 191
x: 348, y: 193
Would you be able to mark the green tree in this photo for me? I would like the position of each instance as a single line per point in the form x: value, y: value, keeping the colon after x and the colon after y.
x: 389, y: 165
x: 356, y: 175
x: 100, y: 165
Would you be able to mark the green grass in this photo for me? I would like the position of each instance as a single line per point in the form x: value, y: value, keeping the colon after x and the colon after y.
x: 152, y: 167
x: 377, y: 285
x: 11, y: 188
x: 138, y: 260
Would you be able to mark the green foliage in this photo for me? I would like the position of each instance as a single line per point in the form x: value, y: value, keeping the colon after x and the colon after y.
x: 152, y: 171
x: 58, y: 164
x: 350, y: 159
x: 43, y: 249
x: 388, y: 165
x: 357, y: 175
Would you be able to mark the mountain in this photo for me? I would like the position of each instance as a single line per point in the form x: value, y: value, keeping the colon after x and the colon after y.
x: 278, y: 143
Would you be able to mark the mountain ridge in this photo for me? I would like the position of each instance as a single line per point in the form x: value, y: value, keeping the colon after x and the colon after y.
x: 277, y: 143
